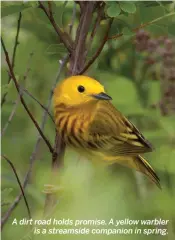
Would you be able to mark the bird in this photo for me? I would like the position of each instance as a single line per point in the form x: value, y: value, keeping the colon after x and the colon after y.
x: 87, y: 121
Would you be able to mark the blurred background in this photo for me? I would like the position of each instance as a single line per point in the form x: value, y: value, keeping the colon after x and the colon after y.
x: 137, y: 70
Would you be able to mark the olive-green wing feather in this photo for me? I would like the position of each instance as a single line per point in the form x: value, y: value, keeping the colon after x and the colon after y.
x: 110, y: 132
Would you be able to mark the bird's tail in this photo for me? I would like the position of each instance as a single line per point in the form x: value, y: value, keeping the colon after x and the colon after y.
x: 141, y: 165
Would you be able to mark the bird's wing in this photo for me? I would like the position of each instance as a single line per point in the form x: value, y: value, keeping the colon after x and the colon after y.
x: 111, y: 133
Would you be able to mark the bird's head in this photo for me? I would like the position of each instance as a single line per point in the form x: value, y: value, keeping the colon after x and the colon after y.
x: 77, y: 90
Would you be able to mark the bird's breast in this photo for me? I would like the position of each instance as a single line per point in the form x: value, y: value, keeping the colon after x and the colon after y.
x: 72, y: 126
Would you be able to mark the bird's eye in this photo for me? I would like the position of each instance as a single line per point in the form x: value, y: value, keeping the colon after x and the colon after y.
x: 81, y: 89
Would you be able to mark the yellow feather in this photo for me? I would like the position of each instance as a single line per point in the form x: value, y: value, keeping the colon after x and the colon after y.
x: 129, y: 136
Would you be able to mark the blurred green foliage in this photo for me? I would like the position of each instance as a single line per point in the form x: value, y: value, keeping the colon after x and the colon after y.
x: 88, y: 192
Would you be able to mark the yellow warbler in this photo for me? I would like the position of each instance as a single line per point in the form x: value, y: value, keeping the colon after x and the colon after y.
x: 88, y: 122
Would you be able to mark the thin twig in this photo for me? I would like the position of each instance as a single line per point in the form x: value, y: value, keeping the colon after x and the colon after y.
x: 142, y: 25
x: 28, y: 234
x: 73, y: 19
x: 96, y: 24
x: 78, y: 56
x: 51, y: 200
x: 45, y: 108
x: 50, y: 8
x: 22, y: 190
x: 11, y: 116
x: 14, y: 54
x: 91, y: 61
x: 65, y: 38
x: 62, y: 15
x: 18, y: 99
x: 58, y: 149
x: 16, y: 40
x: 28, y: 67
x: 22, y: 100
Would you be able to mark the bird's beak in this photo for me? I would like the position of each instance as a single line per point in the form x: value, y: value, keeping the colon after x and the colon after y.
x: 101, y: 96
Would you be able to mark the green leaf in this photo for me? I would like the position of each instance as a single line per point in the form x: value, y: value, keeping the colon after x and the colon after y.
x: 126, y: 14
x: 58, y: 11
x: 171, y: 29
x: 56, y: 49
x: 128, y: 7
x: 157, y: 30
x: 33, y: 4
x: 9, y: 9
x: 113, y: 10
x: 151, y: 13
x: 156, y: 3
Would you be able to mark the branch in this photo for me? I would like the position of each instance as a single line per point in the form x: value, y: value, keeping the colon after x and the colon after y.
x: 91, y: 61
x: 73, y: 19
x: 22, y: 100
x: 51, y: 190
x: 65, y: 38
x: 97, y: 22
x: 26, y: 179
x: 10, y: 117
x: 45, y: 108
x: 16, y: 102
x: 50, y: 8
x: 77, y: 60
x: 16, y: 42
x: 143, y: 25
x: 14, y: 55
x: 7, y: 214
x: 59, y: 148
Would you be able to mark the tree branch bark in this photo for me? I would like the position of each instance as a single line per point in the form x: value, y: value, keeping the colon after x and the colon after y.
x: 78, y: 56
